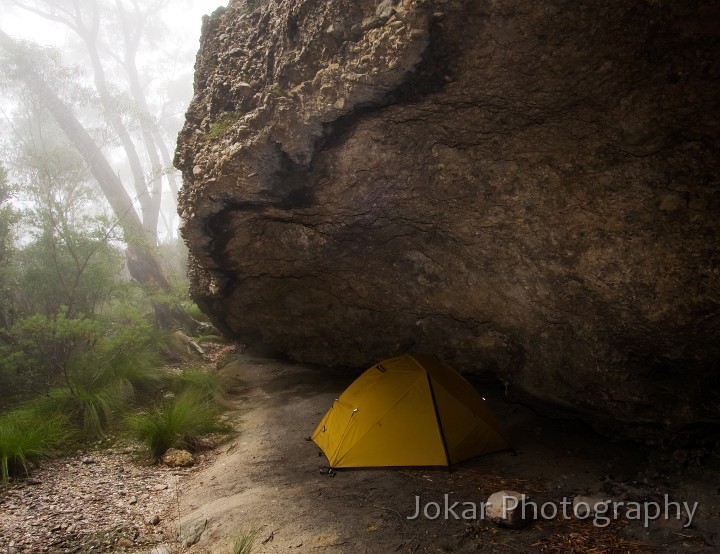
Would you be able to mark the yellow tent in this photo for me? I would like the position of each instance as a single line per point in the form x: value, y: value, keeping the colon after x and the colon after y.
x: 408, y: 411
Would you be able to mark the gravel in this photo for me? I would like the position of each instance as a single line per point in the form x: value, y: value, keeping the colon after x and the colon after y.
x: 103, y: 501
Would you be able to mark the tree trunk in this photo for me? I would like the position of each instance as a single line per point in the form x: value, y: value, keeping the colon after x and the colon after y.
x: 148, y: 209
x: 142, y: 262
x: 145, y: 118
x: 167, y: 163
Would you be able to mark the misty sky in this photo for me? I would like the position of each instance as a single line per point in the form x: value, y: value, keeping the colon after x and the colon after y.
x: 185, y: 18
x: 165, y: 62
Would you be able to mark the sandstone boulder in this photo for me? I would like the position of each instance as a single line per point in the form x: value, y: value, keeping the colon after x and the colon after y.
x: 178, y: 458
x: 529, y: 190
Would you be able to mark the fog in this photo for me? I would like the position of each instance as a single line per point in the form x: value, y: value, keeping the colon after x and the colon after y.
x: 146, y: 44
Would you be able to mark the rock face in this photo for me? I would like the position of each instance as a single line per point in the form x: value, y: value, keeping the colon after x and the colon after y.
x: 529, y: 189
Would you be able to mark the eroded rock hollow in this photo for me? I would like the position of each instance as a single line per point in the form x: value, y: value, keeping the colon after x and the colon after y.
x: 524, y: 188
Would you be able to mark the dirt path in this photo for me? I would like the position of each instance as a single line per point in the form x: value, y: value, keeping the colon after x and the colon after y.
x: 271, y: 479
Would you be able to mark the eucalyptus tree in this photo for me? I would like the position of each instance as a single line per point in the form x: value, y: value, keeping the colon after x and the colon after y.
x: 84, y: 19
x: 40, y: 81
x: 108, y: 92
x: 116, y: 35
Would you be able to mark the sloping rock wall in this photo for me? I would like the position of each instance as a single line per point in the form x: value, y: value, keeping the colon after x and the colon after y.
x: 524, y: 188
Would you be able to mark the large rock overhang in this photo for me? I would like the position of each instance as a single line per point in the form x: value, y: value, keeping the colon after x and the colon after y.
x: 527, y: 189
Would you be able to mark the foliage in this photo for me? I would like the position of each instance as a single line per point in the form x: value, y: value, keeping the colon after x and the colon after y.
x: 17, y: 58
x: 82, y: 337
x: 7, y: 215
x: 173, y: 256
x: 45, y: 349
x: 71, y: 256
x: 39, y: 350
x: 91, y: 404
x: 8, y: 218
x: 179, y: 423
x: 135, y: 112
x: 194, y: 311
x: 67, y: 265
x: 211, y: 387
x: 79, y: 335
x: 93, y: 370
x: 27, y: 437
x: 78, y: 272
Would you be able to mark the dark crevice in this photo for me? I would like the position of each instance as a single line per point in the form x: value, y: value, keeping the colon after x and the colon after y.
x: 288, y: 189
x: 220, y: 228
x: 216, y: 316
x: 429, y: 77
x: 290, y: 182
x: 289, y: 186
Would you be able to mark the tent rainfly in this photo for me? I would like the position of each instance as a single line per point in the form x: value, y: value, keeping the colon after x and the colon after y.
x: 408, y: 411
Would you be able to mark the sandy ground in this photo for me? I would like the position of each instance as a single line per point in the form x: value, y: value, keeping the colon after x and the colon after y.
x: 269, y: 478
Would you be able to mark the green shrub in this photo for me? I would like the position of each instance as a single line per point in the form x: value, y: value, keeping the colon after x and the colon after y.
x: 130, y: 352
x: 209, y: 338
x: 194, y: 311
x: 85, y: 365
x: 26, y: 437
x: 105, y: 364
x: 47, y: 349
x: 142, y: 377
x: 41, y: 350
x: 179, y: 423
x: 76, y: 268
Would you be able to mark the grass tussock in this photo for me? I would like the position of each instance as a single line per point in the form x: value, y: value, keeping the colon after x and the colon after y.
x: 95, y: 400
x: 92, y: 408
x: 84, y: 375
x: 141, y: 375
x: 245, y: 543
x: 178, y: 423
x: 27, y: 437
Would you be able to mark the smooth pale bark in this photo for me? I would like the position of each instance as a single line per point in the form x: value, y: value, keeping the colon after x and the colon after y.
x: 147, y: 206
x: 167, y: 164
x: 142, y: 262
x: 131, y: 41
